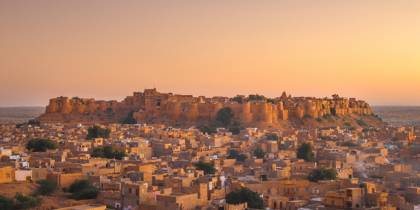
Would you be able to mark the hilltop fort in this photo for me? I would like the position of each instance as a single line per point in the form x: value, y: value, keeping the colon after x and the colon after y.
x: 152, y: 106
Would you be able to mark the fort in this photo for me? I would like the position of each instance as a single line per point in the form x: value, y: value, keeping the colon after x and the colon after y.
x: 152, y: 106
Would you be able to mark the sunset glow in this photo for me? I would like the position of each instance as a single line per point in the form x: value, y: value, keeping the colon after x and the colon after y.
x: 108, y: 49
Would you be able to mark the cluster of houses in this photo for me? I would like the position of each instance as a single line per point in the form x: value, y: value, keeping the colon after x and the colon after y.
x: 376, y: 168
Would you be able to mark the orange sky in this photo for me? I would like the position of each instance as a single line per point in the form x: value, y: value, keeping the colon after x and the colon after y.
x: 108, y: 49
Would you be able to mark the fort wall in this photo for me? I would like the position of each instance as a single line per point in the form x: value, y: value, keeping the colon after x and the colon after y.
x: 152, y: 106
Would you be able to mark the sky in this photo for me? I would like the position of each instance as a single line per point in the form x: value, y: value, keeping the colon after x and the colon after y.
x: 108, y: 49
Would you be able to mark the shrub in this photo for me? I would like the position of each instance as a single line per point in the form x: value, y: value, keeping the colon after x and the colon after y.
x: 82, y: 189
x: 98, y: 132
x: 238, y: 99
x: 26, y: 202
x: 259, y: 153
x: 234, y: 154
x: 40, y: 145
x: 256, y: 97
x: 362, y: 123
x: 272, y: 136
x: 270, y: 100
x: 243, y: 195
x: 87, y: 193
x: 224, y: 117
x: 129, y: 119
x: 46, y: 187
x: 348, y: 144
x: 77, y: 185
x: 108, y: 152
x: 209, y: 129
x: 333, y: 111
x: 6, y: 203
x: 307, y: 116
x: 322, y: 174
x: 235, y: 128
x: 305, y: 152
x: 208, y: 168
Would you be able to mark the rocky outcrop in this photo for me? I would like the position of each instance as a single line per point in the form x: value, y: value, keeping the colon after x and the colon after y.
x: 152, y: 106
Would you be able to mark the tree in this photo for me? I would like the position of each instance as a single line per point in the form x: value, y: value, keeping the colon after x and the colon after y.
x: 87, y: 193
x: 6, y: 203
x: 46, y: 187
x: 235, y: 128
x: 26, y: 202
x: 208, y: 168
x: 224, y: 116
x: 256, y: 97
x: 108, y: 152
x: 305, y: 152
x: 19, y: 202
x: 333, y: 111
x: 259, y: 153
x: 272, y: 136
x: 239, y: 99
x: 243, y: 195
x: 234, y: 154
x: 209, y: 129
x: 82, y: 189
x: 98, y: 132
x: 129, y: 119
x: 40, y: 145
x: 362, y: 123
x: 322, y: 174
x: 77, y: 185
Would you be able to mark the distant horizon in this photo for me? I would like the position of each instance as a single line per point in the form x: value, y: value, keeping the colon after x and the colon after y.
x: 120, y: 98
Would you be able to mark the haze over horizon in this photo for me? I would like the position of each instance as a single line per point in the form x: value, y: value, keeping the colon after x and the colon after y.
x: 108, y: 49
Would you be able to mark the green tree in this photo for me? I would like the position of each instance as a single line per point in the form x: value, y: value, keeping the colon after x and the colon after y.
x: 208, y: 168
x: 82, y: 189
x: 26, y: 202
x: 362, y: 123
x: 98, y: 132
x: 235, y: 128
x: 333, y: 111
x: 272, y: 136
x: 224, y: 117
x: 270, y: 100
x: 46, y: 187
x: 209, y: 129
x: 77, y: 185
x: 108, y: 152
x: 40, y: 145
x: 259, y: 153
x: 6, y: 203
x: 256, y: 97
x: 19, y: 202
x: 238, y: 99
x: 87, y: 193
x: 322, y: 174
x: 243, y: 195
x: 305, y: 152
x: 129, y: 119
x: 234, y: 154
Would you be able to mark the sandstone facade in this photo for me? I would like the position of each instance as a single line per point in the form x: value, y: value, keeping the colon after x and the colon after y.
x: 152, y: 106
